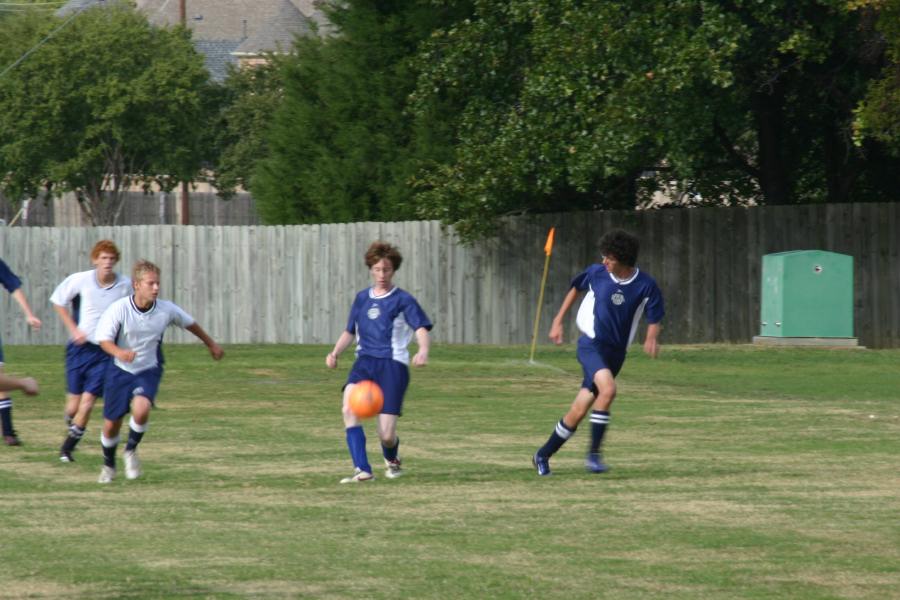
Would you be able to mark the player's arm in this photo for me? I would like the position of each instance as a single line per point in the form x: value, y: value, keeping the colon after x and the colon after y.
x: 77, y: 335
x: 19, y: 295
x: 424, y: 342
x: 123, y: 354
x: 340, y: 345
x: 25, y: 384
x: 651, y: 343
x: 214, y: 349
x: 556, y: 327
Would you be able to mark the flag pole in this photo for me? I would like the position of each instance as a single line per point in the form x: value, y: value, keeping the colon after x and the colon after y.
x: 548, y: 250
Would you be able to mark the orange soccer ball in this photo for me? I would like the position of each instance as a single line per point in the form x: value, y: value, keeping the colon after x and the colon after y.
x: 366, y: 399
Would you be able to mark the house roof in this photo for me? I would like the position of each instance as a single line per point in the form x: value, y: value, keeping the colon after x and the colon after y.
x: 247, y: 26
x: 217, y: 55
x: 278, y: 32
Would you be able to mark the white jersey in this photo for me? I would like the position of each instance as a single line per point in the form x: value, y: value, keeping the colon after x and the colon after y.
x: 131, y: 329
x: 89, y: 300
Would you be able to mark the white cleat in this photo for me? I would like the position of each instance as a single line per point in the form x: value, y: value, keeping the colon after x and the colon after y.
x: 107, y: 474
x: 132, y: 465
x: 358, y: 477
x: 392, y: 470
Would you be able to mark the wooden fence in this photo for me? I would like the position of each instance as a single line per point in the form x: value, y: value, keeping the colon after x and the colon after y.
x: 294, y: 284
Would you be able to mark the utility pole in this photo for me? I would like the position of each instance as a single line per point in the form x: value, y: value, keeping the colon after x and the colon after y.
x: 185, y: 194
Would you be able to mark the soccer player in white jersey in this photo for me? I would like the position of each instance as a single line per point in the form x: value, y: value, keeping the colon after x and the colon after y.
x: 618, y: 294
x: 87, y: 294
x: 13, y: 285
x: 131, y: 331
x: 383, y: 320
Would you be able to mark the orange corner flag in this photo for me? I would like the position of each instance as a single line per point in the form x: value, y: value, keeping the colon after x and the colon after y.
x: 548, y: 247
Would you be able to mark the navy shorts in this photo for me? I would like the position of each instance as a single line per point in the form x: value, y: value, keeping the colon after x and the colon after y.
x: 86, y: 368
x: 390, y: 375
x: 121, y: 386
x: 594, y: 357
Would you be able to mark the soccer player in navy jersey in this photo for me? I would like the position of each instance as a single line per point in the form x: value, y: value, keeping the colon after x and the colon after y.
x: 618, y: 294
x: 131, y: 331
x: 13, y: 285
x: 89, y: 294
x: 383, y: 319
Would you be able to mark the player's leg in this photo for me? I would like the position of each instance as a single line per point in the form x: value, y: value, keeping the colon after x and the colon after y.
x: 591, y: 362
x: 72, y: 402
x: 137, y: 426
x: 118, y: 387
x: 605, y: 383
x: 85, y: 374
x: 563, y: 431
x: 393, y: 378
x: 356, y: 436
x: 77, y: 427
x: 109, y: 440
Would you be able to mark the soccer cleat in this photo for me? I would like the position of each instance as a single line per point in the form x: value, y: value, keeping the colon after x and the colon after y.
x: 11, y: 440
x: 594, y: 463
x: 358, y: 476
x: 107, y: 474
x: 393, y: 470
x: 66, y: 456
x: 541, y: 463
x: 132, y: 464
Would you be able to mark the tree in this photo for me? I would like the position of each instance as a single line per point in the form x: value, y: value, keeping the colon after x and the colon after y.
x: 109, y: 101
x: 340, y: 146
x: 247, y: 100
x: 878, y: 114
x: 567, y: 104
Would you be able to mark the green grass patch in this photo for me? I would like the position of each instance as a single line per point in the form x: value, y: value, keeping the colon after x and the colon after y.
x: 738, y: 472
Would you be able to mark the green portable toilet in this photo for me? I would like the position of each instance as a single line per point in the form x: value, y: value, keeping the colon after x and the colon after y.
x: 807, y: 294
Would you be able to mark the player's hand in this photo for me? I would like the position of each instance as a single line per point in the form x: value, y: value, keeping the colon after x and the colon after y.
x: 216, y: 351
x: 29, y: 386
x: 331, y: 360
x: 34, y: 322
x: 127, y: 356
x: 79, y: 337
x: 651, y: 347
x: 420, y: 359
x: 556, y: 333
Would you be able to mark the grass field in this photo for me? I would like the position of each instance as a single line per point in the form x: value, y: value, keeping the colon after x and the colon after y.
x: 738, y: 472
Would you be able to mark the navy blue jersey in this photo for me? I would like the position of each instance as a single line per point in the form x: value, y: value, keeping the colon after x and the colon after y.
x: 8, y: 278
x: 612, y: 308
x: 384, y: 325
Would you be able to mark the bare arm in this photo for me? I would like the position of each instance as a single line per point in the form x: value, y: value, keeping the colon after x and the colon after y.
x: 25, y: 384
x: 651, y: 343
x: 19, y: 295
x: 556, y: 328
x: 126, y: 356
x: 214, y: 349
x: 340, y: 345
x: 424, y: 341
x: 77, y: 335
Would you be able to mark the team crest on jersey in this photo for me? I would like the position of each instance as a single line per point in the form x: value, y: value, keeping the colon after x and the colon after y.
x: 617, y: 298
x: 373, y: 313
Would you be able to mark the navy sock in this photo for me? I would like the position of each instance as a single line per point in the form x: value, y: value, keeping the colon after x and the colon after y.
x: 391, y: 453
x: 6, y: 416
x: 356, y: 442
x: 599, y: 423
x: 134, y: 438
x: 75, y: 435
x: 557, y: 439
x: 109, y: 456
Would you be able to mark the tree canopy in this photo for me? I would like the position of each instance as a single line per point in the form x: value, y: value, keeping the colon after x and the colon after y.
x: 569, y: 104
x: 341, y: 146
x: 107, y: 102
